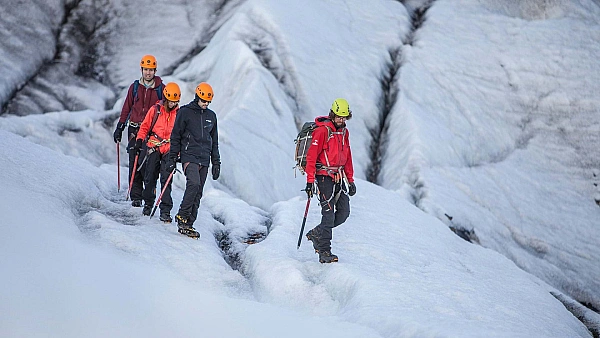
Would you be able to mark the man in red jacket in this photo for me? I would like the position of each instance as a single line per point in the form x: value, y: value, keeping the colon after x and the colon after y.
x: 329, y: 164
x: 156, y: 131
x: 142, y: 95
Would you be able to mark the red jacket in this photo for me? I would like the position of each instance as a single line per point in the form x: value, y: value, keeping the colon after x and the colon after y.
x: 337, y: 148
x: 162, y: 128
x: 139, y: 105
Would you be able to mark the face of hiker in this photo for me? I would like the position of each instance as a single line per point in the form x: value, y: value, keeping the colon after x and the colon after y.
x: 148, y: 74
x: 172, y: 104
x: 203, y: 103
x: 339, y: 121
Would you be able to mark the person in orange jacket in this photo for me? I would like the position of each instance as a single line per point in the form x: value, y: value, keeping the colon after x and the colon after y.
x: 142, y: 94
x: 156, y: 131
x: 329, y: 165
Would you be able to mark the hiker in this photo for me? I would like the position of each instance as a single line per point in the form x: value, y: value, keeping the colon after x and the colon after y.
x: 156, y: 131
x: 329, y: 164
x: 142, y: 95
x: 195, y: 140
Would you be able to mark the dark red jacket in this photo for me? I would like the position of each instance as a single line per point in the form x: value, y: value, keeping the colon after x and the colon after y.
x: 139, y: 105
x: 329, y: 144
x: 162, y: 128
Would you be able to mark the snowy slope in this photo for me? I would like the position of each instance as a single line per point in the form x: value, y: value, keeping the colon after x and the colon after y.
x: 497, y: 126
x: 98, y: 262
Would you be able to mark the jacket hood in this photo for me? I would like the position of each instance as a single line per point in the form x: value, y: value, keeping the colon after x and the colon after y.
x: 324, y: 121
x: 194, y: 105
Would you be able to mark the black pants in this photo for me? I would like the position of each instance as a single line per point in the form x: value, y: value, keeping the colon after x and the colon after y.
x: 155, y: 165
x: 138, y: 180
x: 195, y: 177
x: 333, y: 212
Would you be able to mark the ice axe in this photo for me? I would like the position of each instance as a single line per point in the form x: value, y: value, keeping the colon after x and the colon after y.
x: 163, y: 191
x: 132, y: 176
x: 303, y: 222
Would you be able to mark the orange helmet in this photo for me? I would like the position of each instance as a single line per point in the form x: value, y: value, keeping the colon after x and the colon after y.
x: 148, y: 61
x: 172, y: 92
x: 204, y: 91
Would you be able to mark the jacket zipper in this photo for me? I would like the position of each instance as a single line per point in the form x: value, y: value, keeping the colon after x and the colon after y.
x: 144, y: 103
x: 202, y: 123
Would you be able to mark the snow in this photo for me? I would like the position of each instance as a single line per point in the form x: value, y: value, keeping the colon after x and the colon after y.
x: 514, y: 130
x: 495, y: 126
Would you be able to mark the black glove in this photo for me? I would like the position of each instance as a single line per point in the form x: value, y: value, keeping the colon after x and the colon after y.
x: 137, y: 148
x: 351, y: 189
x: 216, y: 170
x: 170, y: 165
x: 309, y: 190
x: 119, y: 132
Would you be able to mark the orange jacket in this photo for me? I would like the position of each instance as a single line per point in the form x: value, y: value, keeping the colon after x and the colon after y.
x: 161, y: 132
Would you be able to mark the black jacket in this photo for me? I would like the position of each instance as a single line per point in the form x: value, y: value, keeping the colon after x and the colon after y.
x: 195, y: 135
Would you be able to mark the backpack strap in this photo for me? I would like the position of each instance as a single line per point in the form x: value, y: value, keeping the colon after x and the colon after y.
x: 154, y: 119
x: 136, y: 85
x: 159, y: 91
x: 329, y: 136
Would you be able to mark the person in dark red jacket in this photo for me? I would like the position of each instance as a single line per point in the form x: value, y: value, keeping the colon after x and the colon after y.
x: 136, y: 105
x: 156, y: 131
x: 329, y: 164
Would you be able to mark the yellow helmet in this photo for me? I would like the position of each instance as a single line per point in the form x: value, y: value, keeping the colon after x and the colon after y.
x: 148, y: 61
x: 172, y: 92
x: 340, y: 107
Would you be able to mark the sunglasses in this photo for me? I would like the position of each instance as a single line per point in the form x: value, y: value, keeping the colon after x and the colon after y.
x: 204, y: 101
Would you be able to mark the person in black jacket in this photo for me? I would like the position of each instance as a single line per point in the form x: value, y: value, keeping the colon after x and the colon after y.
x: 195, y: 140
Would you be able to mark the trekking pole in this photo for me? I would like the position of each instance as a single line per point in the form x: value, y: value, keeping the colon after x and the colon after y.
x: 132, y: 176
x: 118, y: 169
x: 303, y: 223
x: 163, y: 191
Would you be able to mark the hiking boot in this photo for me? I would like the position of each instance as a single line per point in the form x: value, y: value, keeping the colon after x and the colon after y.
x: 191, y: 232
x: 184, y: 228
x: 327, y: 257
x: 147, y: 210
x: 182, y: 222
x: 136, y: 203
x: 165, y: 217
x: 310, y: 235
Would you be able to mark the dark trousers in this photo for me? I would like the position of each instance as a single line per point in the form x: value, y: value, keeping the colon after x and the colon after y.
x: 138, y: 181
x: 155, y: 166
x: 195, y: 177
x: 333, y: 212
